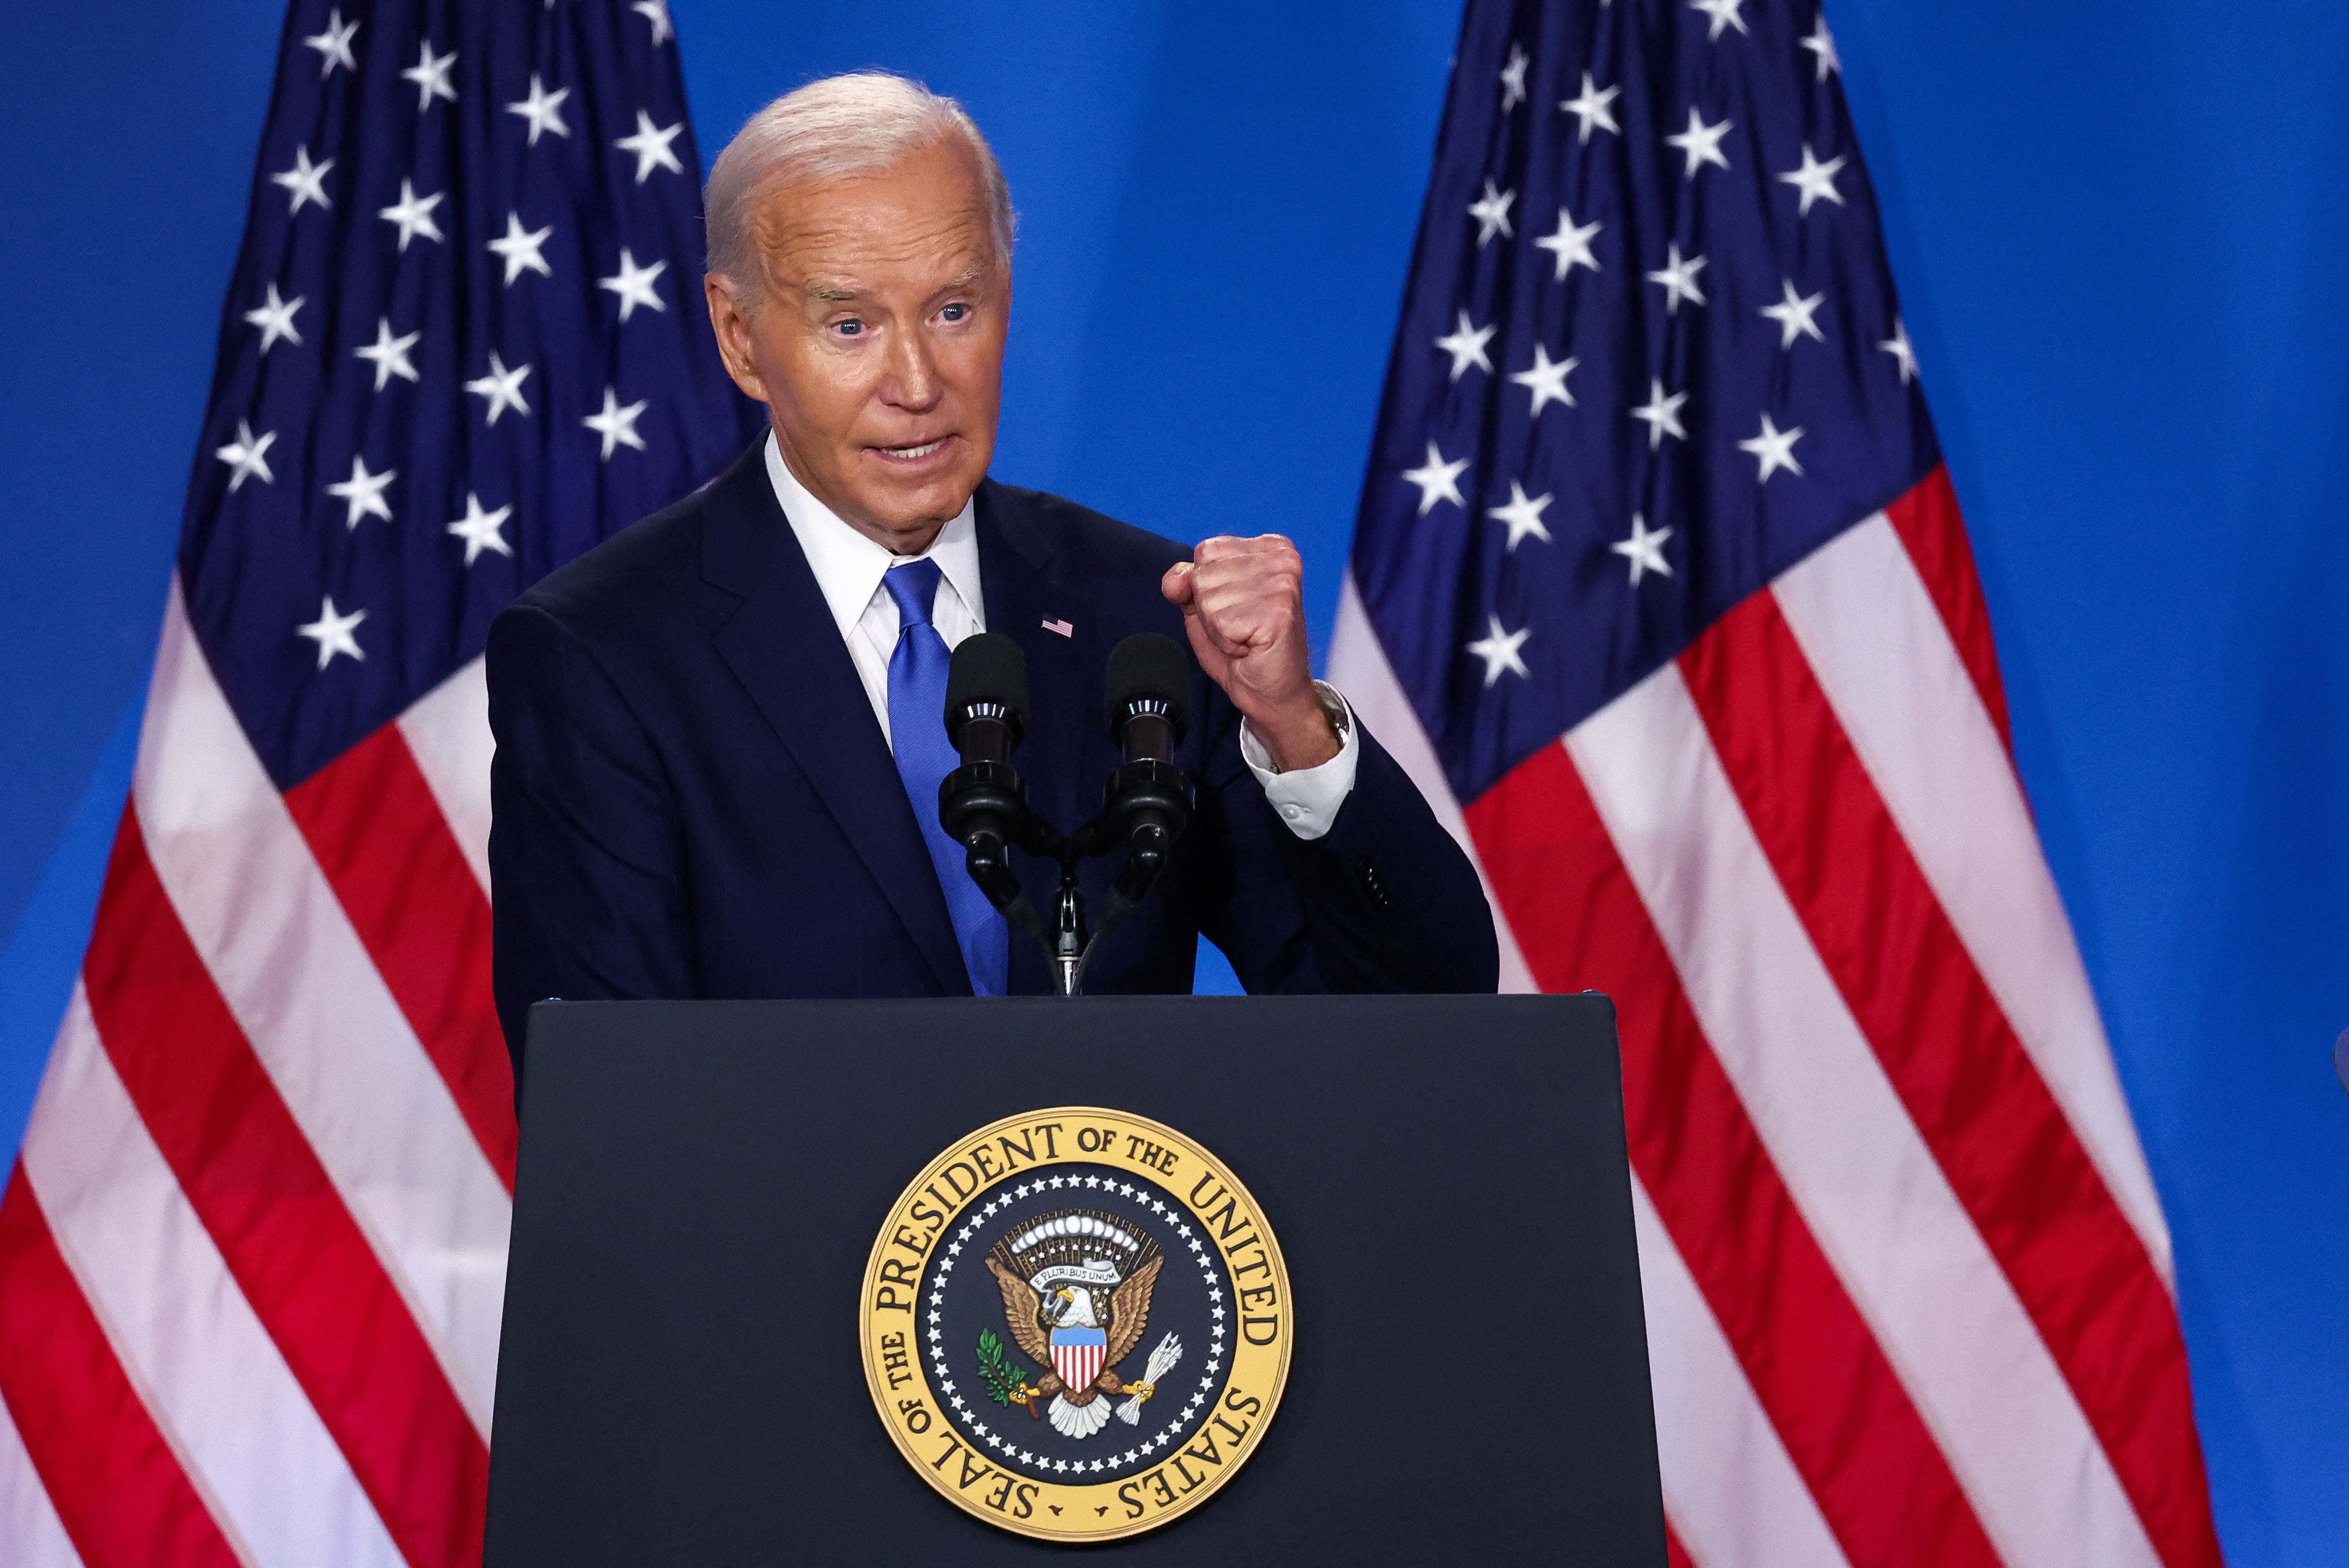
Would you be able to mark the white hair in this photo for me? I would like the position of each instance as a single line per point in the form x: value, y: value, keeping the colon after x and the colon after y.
x: 831, y: 129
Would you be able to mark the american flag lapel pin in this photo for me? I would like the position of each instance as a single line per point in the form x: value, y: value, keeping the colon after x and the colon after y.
x: 1061, y: 628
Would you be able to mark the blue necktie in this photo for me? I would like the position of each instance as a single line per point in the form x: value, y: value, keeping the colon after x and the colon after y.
x: 918, y: 733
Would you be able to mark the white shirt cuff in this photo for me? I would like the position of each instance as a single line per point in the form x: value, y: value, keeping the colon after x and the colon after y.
x: 1307, y: 798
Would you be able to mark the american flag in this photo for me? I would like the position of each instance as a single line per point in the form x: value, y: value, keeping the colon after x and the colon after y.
x: 253, y: 1255
x: 1660, y: 588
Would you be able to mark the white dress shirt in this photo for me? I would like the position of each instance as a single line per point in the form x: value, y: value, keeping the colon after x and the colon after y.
x: 849, y: 566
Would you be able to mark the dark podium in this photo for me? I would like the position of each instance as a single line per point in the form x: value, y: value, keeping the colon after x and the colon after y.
x: 701, y: 1183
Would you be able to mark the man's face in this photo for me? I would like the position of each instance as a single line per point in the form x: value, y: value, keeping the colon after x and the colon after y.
x: 878, y: 342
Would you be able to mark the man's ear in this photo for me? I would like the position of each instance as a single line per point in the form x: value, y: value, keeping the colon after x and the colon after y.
x: 732, y: 325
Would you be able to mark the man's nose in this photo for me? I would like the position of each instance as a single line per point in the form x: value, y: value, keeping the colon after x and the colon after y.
x: 912, y: 382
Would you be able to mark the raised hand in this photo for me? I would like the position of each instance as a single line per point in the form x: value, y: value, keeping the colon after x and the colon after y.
x: 1243, y: 603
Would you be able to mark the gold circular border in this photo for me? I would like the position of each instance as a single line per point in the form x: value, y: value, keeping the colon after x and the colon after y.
x: 896, y: 1369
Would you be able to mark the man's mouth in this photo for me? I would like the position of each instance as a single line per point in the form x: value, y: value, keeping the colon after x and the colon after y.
x: 911, y: 454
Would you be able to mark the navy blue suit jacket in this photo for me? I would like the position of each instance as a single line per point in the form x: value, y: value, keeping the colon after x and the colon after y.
x: 692, y: 797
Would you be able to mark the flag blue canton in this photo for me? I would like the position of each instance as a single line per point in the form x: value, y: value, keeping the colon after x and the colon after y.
x: 464, y: 342
x: 1649, y: 357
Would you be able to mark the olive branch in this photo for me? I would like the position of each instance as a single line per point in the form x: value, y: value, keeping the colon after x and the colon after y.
x: 1003, y: 1378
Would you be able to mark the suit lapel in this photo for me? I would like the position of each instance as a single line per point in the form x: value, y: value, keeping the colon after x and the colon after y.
x: 1020, y: 578
x: 784, y: 647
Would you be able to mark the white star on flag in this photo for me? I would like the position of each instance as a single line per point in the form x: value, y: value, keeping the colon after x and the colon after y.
x: 1591, y: 108
x: 1678, y: 278
x: 1775, y: 449
x: 502, y: 387
x: 479, y: 530
x: 1491, y: 211
x: 657, y: 13
x: 362, y: 493
x: 1546, y: 379
x: 1645, y: 549
x: 1498, y: 649
x: 520, y: 249
x: 245, y: 455
x: 650, y: 145
x: 1814, y: 179
x: 615, y: 424
x: 274, y: 316
x: 1898, y: 346
x: 1725, y: 13
x: 1570, y: 245
x: 1661, y: 414
x: 306, y: 181
x: 1513, y: 80
x: 332, y: 632
x: 430, y: 75
x: 413, y: 215
x: 1822, y: 42
x: 388, y: 355
x: 1701, y: 143
x: 634, y: 285
x: 1793, y: 315
x: 544, y: 110
x: 333, y: 45
x: 1466, y: 347
x: 1439, y: 480
x: 1521, y: 516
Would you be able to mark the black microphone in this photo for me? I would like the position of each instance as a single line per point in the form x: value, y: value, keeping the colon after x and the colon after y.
x: 983, y: 804
x: 987, y: 697
x: 1149, y: 685
x: 1149, y: 697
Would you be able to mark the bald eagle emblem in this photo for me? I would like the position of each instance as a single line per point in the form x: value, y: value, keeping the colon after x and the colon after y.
x: 1076, y: 1296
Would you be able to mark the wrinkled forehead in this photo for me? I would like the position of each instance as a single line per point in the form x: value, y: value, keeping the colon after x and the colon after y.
x: 919, y: 224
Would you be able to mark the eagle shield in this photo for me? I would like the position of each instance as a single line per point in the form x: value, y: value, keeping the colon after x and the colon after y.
x: 1077, y: 1355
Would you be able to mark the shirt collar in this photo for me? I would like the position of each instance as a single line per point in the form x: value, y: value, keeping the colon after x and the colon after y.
x: 849, y: 566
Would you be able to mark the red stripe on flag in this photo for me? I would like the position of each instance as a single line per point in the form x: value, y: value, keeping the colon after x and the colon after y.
x: 282, y: 1228
x: 1880, y: 1479
x: 2011, y: 1156
x: 117, y: 1488
x: 378, y: 834
x: 1930, y: 528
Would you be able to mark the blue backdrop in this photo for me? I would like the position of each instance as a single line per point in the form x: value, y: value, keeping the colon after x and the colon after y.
x: 2117, y: 233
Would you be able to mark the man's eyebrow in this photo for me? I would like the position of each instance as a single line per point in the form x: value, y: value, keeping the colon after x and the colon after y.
x: 832, y: 292
x: 970, y: 275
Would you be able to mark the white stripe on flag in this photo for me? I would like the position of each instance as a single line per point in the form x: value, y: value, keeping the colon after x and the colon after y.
x: 1884, y: 657
x: 1358, y: 667
x: 448, y: 732
x: 28, y: 1522
x: 1874, y: 1195
x: 219, y: 1391
x: 1731, y: 1489
x: 317, y: 1013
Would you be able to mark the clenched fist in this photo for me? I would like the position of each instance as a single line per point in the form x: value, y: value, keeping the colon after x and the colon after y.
x: 1243, y: 602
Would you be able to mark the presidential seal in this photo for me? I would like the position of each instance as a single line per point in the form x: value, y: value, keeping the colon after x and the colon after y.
x: 1076, y: 1324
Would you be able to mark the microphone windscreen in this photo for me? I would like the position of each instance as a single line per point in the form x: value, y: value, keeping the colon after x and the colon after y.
x: 987, y: 668
x: 1147, y: 666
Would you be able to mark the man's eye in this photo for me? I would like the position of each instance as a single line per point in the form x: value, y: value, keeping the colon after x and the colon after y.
x: 852, y: 329
x: 955, y: 311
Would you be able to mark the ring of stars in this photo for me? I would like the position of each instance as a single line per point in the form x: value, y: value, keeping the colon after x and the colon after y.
x: 967, y: 1414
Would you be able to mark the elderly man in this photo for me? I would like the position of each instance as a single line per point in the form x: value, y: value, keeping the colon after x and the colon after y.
x: 719, y: 738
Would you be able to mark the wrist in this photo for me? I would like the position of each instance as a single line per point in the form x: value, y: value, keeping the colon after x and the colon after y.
x: 1304, y: 735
